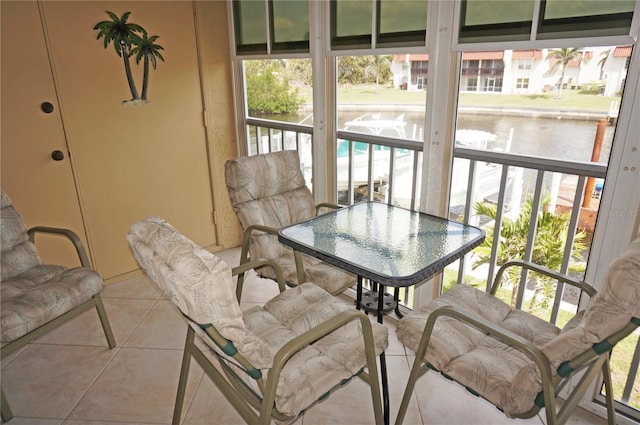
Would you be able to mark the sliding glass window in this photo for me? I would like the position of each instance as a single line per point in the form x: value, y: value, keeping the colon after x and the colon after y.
x: 395, y: 23
x: 287, y: 22
x: 564, y: 19
x: 484, y: 21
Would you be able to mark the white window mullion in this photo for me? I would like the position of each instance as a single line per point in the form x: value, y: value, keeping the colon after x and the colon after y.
x: 439, y: 124
x: 322, y: 121
x: 619, y: 216
x: 441, y: 106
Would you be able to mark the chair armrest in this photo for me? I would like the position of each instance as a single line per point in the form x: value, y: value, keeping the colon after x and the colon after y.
x: 246, y: 238
x: 303, y: 340
x: 327, y: 205
x: 249, y: 265
x: 69, y: 234
x: 503, y: 335
x: 583, y: 286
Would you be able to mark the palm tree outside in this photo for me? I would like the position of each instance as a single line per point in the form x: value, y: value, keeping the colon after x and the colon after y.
x: 147, y: 49
x: 562, y: 58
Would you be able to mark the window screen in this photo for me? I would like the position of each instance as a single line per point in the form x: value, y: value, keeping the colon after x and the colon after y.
x: 351, y: 24
x: 499, y: 20
x: 584, y: 18
x: 289, y: 25
x: 402, y: 22
x: 495, y: 20
x: 288, y: 22
x: 250, y: 26
x: 398, y: 23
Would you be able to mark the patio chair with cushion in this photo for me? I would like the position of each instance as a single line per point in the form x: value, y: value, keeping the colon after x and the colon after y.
x: 273, y: 361
x: 516, y: 360
x: 36, y: 297
x: 268, y: 192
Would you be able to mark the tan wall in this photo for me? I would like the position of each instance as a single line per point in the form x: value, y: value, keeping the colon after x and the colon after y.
x: 126, y: 162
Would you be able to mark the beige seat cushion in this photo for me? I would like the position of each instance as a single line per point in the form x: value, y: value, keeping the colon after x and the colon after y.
x: 472, y: 358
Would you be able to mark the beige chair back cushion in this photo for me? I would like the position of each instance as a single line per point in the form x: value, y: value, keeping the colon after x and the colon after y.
x: 269, y: 190
x: 18, y: 254
x: 197, y: 281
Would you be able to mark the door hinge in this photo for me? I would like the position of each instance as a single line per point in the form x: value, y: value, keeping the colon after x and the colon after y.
x: 215, y: 217
x: 204, y: 118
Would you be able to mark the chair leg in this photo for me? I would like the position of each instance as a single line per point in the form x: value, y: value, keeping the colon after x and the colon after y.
x: 608, y: 387
x: 184, y: 375
x: 411, y: 383
x: 104, y: 320
x: 5, y: 410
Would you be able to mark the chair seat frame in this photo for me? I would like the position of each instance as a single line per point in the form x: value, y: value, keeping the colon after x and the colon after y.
x: 592, y: 362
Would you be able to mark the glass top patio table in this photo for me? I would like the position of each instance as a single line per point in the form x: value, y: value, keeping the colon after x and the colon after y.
x: 389, y: 245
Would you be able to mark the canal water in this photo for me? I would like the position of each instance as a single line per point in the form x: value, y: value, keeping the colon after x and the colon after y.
x: 559, y: 138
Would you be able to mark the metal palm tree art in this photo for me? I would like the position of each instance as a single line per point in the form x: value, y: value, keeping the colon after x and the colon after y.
x: 147, y: 49
x: 130, y: 39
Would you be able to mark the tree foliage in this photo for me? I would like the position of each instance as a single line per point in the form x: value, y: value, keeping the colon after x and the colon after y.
x: 364, y: 69
x: 560, y: 59
x: 268, y: 88
x: 548, y: 248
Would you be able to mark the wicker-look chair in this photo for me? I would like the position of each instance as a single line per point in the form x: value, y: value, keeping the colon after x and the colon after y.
x: 270, y: 362
x: 268, y: 192
x: 37, y: 297
x: 515, y: 360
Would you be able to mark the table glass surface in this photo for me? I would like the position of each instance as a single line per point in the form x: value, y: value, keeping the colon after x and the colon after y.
x: 390, y: 245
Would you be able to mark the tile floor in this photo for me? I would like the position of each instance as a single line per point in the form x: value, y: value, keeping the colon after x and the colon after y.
x: 70, y: 377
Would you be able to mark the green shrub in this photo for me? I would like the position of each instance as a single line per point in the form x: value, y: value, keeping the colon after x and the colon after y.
x: 269, y: 92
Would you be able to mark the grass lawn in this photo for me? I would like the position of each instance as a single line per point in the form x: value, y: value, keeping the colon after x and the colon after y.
x: 369, y: 94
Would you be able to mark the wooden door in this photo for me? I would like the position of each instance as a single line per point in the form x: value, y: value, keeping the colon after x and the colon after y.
x: 132, y: 161
x: 42, y: 189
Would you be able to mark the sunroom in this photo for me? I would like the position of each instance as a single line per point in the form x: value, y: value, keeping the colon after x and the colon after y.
x: 489, y: 113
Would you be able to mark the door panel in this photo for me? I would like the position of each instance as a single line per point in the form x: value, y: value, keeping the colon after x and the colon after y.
x: 131, y: 162
x: 42, y: 189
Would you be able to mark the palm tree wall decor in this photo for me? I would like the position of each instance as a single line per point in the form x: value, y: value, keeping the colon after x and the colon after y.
x: 130, y: 39
x: 147, y: 49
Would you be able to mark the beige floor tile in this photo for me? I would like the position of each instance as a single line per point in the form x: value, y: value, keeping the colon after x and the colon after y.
x: 230, y: 256
x: 139, y: 287
x: 398, y: 375
x: 46, y: 381
x: 74, y: 422
x: 209, y: 406
x: 444, y: 402
x: 124, y: 315
x: 139, y: 385
x: 38, y: 421
x: 163, y: 327
x: 348, y: 405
